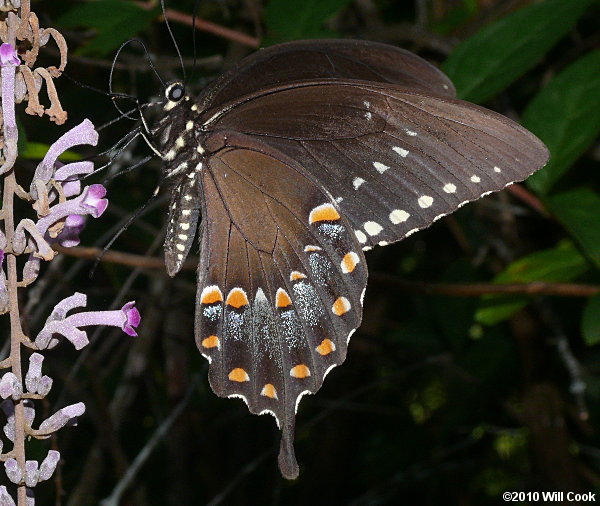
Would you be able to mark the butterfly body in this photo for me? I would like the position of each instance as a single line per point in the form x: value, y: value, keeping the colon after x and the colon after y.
x: 298, y: 160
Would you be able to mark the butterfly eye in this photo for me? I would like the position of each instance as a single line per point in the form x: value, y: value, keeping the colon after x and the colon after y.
x: 175, y: 92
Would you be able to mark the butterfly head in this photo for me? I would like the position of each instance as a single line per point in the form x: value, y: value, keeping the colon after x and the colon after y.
x: 174, y: 95
x: 172, y: 130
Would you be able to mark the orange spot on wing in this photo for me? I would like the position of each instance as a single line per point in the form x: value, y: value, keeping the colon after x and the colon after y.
x: 282, y: 298
x: 300, y: 371
x: 210, y: 342
x: 341, y: 306
x: 237, y: 298
x: 326, y: 347
x: 349, y: 262
x: 211, y: 294
x: 269, y: 391
x: 324, y: 212
x: 238, y: 374
x: 295, y: 276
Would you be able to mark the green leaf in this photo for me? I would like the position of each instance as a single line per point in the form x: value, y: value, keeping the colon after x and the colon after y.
x: 566, y: 116
x: 301, y: 19
x: 560, y: 264
x: 37, y: 151
x: 491, y: 59
x: 114, y: 20
x: 579, y: 211
x: 590, y: 321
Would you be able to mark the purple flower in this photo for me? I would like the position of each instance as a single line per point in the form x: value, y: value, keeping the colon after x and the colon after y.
x: 89, y: 202
x: 84, y: 133
x: 69, y: 237
x: 94, y: 201
x: 127, y: 318
x: 34, y: 381
x: 5, y: 498
x: 63, y: 416
x: 49, y: 465
x: 132, y: 318
x: 13, y: 471
x: 10, y: 386
x: 8, y: 55
x: 8, y: 61
x: 69, y: 176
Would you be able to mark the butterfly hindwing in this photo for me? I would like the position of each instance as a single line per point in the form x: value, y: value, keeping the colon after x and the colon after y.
x: 279, y: 283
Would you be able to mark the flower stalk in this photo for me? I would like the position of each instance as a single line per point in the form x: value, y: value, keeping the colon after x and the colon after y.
x: 60, y: 206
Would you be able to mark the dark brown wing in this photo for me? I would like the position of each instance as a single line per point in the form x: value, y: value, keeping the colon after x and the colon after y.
x: 395, y: 160
x: 280, y: 283
x: 325, y: 59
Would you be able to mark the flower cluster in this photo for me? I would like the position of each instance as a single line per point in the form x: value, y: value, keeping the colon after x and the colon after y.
x: 60, y: 204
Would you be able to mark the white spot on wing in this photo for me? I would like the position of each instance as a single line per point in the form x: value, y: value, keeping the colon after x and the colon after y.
x: 381, y: 168
x: 357, y: 182
x: 398, y: 216
x: 372, y: 227
x: 497, y: 169
x: 410, y: 133
x: 449, y: 188
x: 425, y: 201
x: 475, y: 179
x: 402, y: 152
x: 362, y: 238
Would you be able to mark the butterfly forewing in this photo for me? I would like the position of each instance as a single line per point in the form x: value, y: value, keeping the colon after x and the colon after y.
x: 306, y: 60
x: 394, y: 160
x: 279, y: 284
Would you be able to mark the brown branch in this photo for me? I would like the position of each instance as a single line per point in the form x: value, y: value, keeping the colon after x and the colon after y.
x: 206, y: 26
x: 523, y: 194
x: 479, y: 289
x: 380, y: 279
x: 119, y: 257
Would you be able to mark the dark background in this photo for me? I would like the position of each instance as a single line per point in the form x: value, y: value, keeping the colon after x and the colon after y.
x: 443, y: 399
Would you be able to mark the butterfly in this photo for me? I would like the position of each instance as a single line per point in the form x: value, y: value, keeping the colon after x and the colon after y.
x: 287, y: 168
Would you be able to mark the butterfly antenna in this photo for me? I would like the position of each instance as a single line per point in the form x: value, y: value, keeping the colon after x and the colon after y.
x: 131, y: 219
x: 114, y: 95
x: 164, y: 10
x: 194, y: 12
x: 119, y: 146
x: 128, y: 169
x: 116, y: 120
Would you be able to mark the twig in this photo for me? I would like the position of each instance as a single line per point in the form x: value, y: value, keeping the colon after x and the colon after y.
x: 520, y: 192
x: 478, y: 289
x: 206, y: 26
x: 380, y: 279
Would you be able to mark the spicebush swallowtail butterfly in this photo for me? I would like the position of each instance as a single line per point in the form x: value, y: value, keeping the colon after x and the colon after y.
x: 297, y: 160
